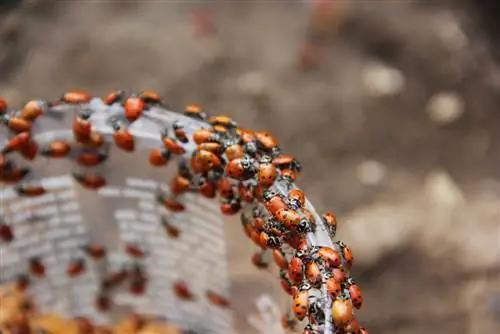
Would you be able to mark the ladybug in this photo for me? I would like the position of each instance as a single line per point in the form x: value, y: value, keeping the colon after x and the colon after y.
x: 208, y: 189
x: 296, y: 270
x: 6, y: 233
x: 289, y: 218
x: 259, y: 262
x: 266, y: 174
x: 301, y: 302
x: 114, y: 279
x: 138, y: 285
x: 30, y: 151
x: 333, y: 285
x: 363, y: 330
x: 56, y: 149
x: 224, y: 121
x: 150, y: 97
x: 95, y: 251
x: 182, y: 291
x: 330, y: 258
x: 179, y: 132
x: 213, y: 147
x: 195, y: 111
x: 159, y: 157
x: 95, y: 140
x: 134, y: 107
x: 103, y: 303
x: 347, y: 254
x: 353, y: 326
x: 266, y: 141
x: 76, y: 97
x: 241, y: 168
x: 114, y: 97
x: 202, y: 136
x: 231, y: 207
x: 91, y: 158
x: 13, y: 174
x: 170, y: 203
x: 82, y: 126
x: 246, y: 192
x: 330, y: 221
x: 313, y: 273
x: 258, y: 223
x: 355, y: 293
x: 172, y: 145
x: 36, y: 267
x: 342, y: 311
x: 288, y: 175
x: 134, y: 250
x: 285, y: 161
x: 217, y: 299
x: 17, y: 143
x: 287, y: 322
x: 34, y: 109
x: 137, y: 322
x: 338, y: 275
x: 75, y: 268
x: 22, y: 282
x: 122, y: 136
x: 84, y: 325
x: 172, y: 231
x: 296, y: 199
x: 3, y: 106
x: 234, y: 151
x: 286, y: 284
x: 179, y: 185
x: 273, y: 202
x: 204, y: 161
x: 280, y: 259
x: 30, y: 190
x: 16, y: 124
x: 90, y: 180
x: 225, y: 188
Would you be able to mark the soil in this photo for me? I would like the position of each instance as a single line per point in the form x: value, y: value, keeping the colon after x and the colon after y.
x: 426, y: 237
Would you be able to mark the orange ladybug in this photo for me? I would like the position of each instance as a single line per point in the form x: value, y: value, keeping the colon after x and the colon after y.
x: 280, y: 259
x: 114, y: 279
x: 195, y: 111
x: 16, y: 124
x: 90, y: 180
x: 150, y: 97
x: 289, y: 218
x: 159, y: 157
x: 134, y: 250
x: 234, y: 151
x: 76, y: 97
x: 172, y: 145
x: 169, y: 203
x: 241, y: 168
x: 342, y: 311
x: 266, y: 174
x: 231, y: 206
x: 30, y: 151
x: 313, y: 273
x: 347, y: 254
x: 94, y: 140
x: 204, y: 161
x: 296, y: 270
x: 91, y: 158
x: 258, y: 261
x: 56, y: 149
x: 330, y: 221
x: 82, y: 126
x: 114, y: 97
x: 273, y: 202
x: 208, y: 189
x: 13, y: 174
x: 246, y: 192
x: 171, y: 230
x: 134, y: 107
x: 182, y: 291
x: 179, y: 185
x: 95, y: 251
x: 222, y: 120
x: 103, y: 303
x: 355, y: 293
x: 84, y: 325
x: 202, y: 136
x: 122, y: 136
x: 179, y: 132
x: 3, y: 106
x: 225, y: 188
x: 301, y: 302
x: 266, y: 141
x: 213, y: 147
x: 33, y: 109
x: 217, y: 299
x: 30, y: 190
x: 36, y: 267
x: 333, y: 286
x: 6, y: 233
x: 330, y: 258
x: 138, y: 285
x: 286, y: 162
x: 76, y: 267
x: 296, y: 198
x: 22, y: 282
x: 17, y: 143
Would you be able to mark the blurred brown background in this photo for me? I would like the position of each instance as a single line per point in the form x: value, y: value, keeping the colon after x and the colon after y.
x: 394, y: 121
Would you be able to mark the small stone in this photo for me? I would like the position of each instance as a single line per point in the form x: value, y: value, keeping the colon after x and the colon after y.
x: 446, y: 107
x: 381, y: 80
x: 370, y: 172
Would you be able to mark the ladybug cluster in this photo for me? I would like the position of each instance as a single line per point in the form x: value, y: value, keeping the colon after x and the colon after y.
x: 246, y: 171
